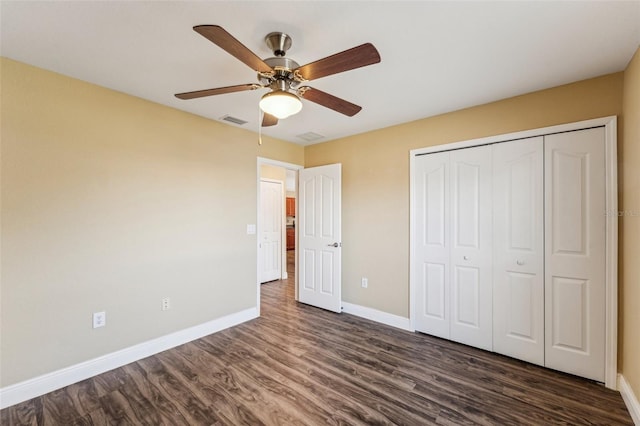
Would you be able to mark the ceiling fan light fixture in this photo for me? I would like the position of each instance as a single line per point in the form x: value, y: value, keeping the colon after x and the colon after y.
x: 280, y: 104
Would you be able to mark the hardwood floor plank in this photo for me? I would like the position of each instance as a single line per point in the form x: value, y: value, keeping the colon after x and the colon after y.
x: 118, y: 410
x: 342, y: 361
x: 354, y: 356
x: 299, y: 365
x: 148, y: 397
x: 559, y: 400
x: 59, y: 408
x: 227, y: 388
x: 329, y: 382
x: 189, y: 405
x: 84, y: 396
x: 307, y: 389
x: 20, y: 414
x: 94, y: 418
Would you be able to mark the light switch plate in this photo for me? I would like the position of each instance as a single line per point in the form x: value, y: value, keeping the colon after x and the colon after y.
x: 251, y: 229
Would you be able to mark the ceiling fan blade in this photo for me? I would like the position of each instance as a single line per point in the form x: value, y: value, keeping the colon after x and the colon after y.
x: 359, y: 56
x: 329, y: 101
x: 227, y: 42
x: 269, y: 120
x: 217, y: 91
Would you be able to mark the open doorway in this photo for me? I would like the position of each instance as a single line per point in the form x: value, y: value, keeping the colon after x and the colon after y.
x: 270, y: 216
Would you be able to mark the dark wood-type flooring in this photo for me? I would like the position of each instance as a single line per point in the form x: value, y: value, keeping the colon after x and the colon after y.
x: 298, y: 365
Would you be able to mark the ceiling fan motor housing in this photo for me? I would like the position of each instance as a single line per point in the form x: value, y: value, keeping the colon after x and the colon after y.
x: 283, y: 73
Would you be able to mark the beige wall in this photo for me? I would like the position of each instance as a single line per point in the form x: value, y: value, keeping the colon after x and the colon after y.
x: 629, y: 173
x: 110, y: 202
x: 273, y: 172
x: 376, y: 177
x: 279, y: 150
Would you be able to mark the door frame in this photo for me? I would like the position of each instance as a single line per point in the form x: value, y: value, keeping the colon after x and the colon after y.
x: 289, y: 166
x: 611, y: 209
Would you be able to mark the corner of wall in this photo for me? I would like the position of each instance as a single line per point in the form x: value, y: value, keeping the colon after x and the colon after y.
x: 629, y: 213
x: 629, y: 398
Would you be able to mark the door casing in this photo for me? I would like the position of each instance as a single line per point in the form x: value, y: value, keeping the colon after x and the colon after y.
x: 289, y: 166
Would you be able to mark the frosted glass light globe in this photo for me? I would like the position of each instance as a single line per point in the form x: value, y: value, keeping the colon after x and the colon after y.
x: 280, y: 104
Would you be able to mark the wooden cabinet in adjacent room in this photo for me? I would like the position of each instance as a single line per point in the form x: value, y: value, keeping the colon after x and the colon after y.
x: 291, y: 238
x: 291, y: 206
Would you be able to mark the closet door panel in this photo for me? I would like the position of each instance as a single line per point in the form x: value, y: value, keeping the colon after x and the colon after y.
x: 431, y: 270
x: 518, y: 249
x: 575, y: 252
x: 471, y: 301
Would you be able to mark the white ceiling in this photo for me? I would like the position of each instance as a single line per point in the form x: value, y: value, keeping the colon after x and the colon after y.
x: 436, y: 56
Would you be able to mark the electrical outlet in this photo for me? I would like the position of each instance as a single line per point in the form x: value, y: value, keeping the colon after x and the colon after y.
x: 365, y: 282
x: 166, y: 304
x: 99, y: 319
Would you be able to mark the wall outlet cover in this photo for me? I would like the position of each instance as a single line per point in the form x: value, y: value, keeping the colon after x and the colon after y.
x: 99, y: 319
x: 166, y: 304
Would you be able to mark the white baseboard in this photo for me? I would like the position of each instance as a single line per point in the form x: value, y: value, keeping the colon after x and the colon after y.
x: 40, y: 385
x: 630, y: 399
x: 377, y: 316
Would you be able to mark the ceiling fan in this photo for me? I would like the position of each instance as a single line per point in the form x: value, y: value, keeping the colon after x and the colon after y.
x: 283, y: 75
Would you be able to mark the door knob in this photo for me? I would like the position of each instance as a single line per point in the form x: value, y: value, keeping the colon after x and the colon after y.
x: 465, y: 257
x: 520, y: 262
x: 333, y: 245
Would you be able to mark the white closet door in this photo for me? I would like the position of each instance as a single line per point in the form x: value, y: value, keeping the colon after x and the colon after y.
x: 431, y: 244
x: 518, y: 249
x: 575, y: 252
x: 470, y: 259
x: 271, y: 201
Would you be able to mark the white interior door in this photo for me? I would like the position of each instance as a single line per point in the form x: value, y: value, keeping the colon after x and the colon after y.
x: 272, y: 217
x: 471, y: 251
x: 320, y: 237
x: 518, y: 249
x: 431, y: 244
x: 575, y: 252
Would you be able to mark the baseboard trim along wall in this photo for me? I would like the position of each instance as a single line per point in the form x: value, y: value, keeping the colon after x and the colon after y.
x: 630, y: 399
x: 377, y: 316
x: 40, y: 385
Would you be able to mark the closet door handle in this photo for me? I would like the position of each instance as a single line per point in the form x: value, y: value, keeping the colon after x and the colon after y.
x: 465, y: 257
x: 520, y: 262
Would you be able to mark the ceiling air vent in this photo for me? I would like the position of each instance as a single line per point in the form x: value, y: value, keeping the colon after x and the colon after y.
x: 310, y: 136
x: 234, y: 120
